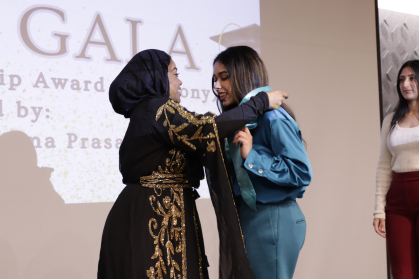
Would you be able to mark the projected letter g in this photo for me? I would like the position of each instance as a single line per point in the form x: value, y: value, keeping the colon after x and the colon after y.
x: 28, y: 40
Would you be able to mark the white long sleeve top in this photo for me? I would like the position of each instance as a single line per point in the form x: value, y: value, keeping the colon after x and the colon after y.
x: 399, y: 152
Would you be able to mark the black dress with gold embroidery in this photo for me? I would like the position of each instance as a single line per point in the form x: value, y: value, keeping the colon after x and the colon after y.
x: 153, y: 229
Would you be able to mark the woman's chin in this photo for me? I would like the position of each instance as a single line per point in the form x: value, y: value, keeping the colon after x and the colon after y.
x: 226, y: 102
x: 410, y: 98
x: 175, y: 98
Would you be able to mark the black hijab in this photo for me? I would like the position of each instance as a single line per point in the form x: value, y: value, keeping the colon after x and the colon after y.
x: 144, y: 76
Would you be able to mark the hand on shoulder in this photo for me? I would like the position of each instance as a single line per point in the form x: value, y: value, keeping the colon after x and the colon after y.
x: 276, y: 98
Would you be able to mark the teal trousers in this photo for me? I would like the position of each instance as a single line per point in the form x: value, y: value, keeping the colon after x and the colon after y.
x: 274, y: 236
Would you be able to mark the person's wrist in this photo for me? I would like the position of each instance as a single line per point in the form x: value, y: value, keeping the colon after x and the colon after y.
x: 246, y: 153
x: 265, y: 99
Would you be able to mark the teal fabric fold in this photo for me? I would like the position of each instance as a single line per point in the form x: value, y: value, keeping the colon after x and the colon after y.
x: 233, y: 155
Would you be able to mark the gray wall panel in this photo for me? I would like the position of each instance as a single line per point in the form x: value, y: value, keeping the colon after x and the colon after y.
x: 399, y: 42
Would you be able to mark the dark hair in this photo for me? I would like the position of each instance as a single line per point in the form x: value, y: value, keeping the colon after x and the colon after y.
x: 402, y: 106
x: 247, y: 72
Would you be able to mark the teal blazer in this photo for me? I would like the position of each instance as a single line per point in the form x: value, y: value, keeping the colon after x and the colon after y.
x: 277, y: 164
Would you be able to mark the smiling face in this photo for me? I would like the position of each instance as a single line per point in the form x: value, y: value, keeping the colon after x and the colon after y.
x: 408, y: 84
x: 175, y: 82
x: 222, y: 85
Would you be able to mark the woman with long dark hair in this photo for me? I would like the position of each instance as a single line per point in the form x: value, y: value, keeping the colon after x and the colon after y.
x: 153, y: 229
x: 397, y: 193
x: 268, y: 167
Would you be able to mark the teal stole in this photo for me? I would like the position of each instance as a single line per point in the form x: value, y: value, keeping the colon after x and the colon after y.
x: 233, y: 154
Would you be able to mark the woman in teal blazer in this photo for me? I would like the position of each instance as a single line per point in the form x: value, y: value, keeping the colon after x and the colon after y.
x: 268, y: 166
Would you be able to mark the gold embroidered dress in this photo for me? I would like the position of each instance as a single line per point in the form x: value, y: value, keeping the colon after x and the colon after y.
x: 153, y: 229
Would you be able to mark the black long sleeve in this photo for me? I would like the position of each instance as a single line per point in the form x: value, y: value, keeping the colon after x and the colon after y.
x: 191, y: 131
x: 235, y: 119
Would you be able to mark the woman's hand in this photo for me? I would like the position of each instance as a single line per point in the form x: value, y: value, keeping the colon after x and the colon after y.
x: 276, y: 98
x: 245, y: 137
x: 380, y: 226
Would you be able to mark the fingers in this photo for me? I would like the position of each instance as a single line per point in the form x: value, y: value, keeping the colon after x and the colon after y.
x: 276, y: 98
x: 379, y: 226
x: 376, y: 226
x: 383, y: 226
x: 242, y: 137
x: 236, y: 138
x: 284, y: 95
x: 241, y: 134
x: 239, y: 137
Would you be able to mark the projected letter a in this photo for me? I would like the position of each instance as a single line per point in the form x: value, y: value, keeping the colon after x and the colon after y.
x: 98, y: 22
x: 180, y: 34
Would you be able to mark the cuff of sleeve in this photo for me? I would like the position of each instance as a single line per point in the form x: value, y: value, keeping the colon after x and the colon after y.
x: 265, y: 99
x: 380, y: 215
x: 254, y: 164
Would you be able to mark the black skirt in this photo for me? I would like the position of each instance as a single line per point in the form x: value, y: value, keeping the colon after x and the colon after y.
x: 153, y: 233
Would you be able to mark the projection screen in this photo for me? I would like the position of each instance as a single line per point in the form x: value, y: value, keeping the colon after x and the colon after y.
x: 59, y: 58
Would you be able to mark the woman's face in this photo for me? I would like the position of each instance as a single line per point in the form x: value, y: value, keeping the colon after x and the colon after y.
x: 408, y: 84
x: 222, y: 85
x: 175, y: 82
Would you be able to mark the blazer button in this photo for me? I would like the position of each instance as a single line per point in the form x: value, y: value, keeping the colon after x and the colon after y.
x: 260, y: 171
x: 250, y: 166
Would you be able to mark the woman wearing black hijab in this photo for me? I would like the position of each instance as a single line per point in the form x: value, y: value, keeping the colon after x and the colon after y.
x: 153, y: 229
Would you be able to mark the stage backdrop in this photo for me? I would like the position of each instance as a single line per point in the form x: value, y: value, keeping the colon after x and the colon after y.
x: 59, y: 137
x: 59, y: 58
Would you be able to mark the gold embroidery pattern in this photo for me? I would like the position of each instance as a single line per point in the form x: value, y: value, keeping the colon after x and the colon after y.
x: 228, y: 181
x: 171, y: 235
x: 164, y: 181
x: 211, y: 146
x: 172, y: 176
x: 172, y: 107
x: 174, y: 165
x: 201, y: 274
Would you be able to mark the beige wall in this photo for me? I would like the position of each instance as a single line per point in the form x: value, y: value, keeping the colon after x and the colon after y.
x: 323, y: 53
